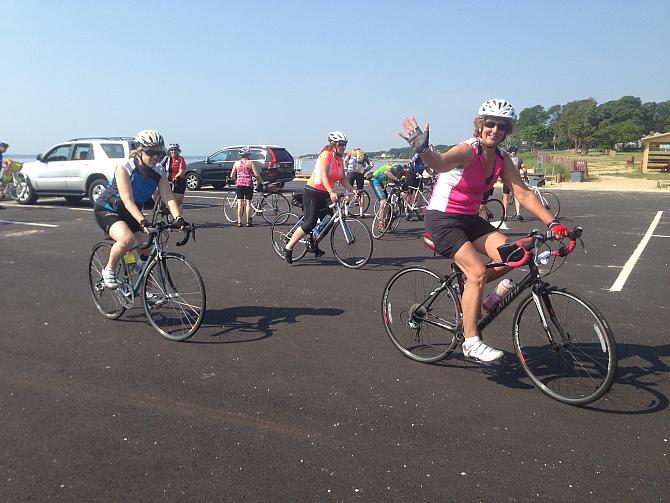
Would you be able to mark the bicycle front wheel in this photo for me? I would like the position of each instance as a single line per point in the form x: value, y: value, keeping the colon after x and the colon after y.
x: 174, y: 297
x: 351, y: 242
x: 109, y: 302
x: 282, y: 229
x: 272, y: 205
x: 381, y: 221
x: 359, y: 205
x: 422, y: 324
x: 396, y: 215
x: 230, y: 207
x: 574, y: 359
x: 493, y: 212
x: 550, y: 202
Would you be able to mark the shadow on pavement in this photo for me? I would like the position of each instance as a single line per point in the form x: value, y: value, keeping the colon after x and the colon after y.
x: 251, y: 323
x: 641, y: 371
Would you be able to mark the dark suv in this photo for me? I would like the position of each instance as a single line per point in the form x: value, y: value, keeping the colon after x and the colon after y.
x: 274, y: 164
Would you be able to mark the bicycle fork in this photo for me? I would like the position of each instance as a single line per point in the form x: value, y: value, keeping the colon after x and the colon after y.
x: 543, y: 304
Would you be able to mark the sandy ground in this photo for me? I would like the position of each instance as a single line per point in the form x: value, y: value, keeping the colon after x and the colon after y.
x: 612, y: 183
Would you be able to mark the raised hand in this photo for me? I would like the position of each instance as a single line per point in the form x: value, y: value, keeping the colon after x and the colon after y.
x: 416, y: 138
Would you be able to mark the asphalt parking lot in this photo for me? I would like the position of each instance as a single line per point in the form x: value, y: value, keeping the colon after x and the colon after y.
x: 291, y: 390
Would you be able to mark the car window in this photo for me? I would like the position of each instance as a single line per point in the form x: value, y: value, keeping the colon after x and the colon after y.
x: 282, y: 155
x: 82, y: 152
x: 59, y: 153
x: 113, y: 150
x: 233, y: 155
x: 257, y: 155
x: 219, y: 156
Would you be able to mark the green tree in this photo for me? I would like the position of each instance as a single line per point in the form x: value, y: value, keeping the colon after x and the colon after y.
x: 576, y: 124
x: 533, y: 116
x: 535, y: 134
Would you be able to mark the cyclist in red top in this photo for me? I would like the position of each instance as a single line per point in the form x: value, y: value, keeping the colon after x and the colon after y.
x: 175, y: 167
x: 320, y: 192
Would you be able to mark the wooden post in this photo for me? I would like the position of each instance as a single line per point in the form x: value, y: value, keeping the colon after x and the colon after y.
x: 645, y: 158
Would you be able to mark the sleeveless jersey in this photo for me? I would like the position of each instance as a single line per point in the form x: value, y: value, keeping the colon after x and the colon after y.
x: 142, y: 189
x: 244, y: 174
x: 460, y: 191
x: 334, y: 170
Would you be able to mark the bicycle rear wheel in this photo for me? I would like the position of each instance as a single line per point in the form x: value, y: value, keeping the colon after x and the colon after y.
x: 351, y: 242
x: 272, y: 205
x: 359, y: 205
x: 550, y: 202
x: 423, y: 325
x: 230, y: 207
x: 493, y: 212
x: 109, y: 302
x: 174, y: 297
x: 282, y: 229
x: 575, y: 362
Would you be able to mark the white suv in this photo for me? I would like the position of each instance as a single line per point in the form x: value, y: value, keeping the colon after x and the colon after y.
x: 75, y: 169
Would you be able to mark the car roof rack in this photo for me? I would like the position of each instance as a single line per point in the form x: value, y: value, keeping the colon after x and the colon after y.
x: 103, y: 138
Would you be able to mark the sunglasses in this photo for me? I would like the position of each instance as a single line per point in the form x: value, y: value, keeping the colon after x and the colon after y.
x: 491, y: 124
x: 154, y: 153
x: 341, y: 143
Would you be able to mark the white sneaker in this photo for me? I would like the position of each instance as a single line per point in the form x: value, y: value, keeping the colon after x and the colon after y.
x: 481, y: 352
x: 109, y: 278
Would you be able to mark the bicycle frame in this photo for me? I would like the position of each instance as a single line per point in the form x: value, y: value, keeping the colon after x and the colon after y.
x: 413, y: 198
x: 531, y: 280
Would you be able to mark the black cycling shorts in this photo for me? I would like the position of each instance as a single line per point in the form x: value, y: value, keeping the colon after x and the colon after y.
x: 450, y: 232
x: 107, y: 218
x: 179, y: 185
x: 506, y: 189
x: 358, y: 178
x: 244, y: 192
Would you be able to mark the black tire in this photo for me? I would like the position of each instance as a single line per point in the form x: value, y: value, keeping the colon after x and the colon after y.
x: 381, y: 222
x: 355, y: 251
x: 425, y: 334
x: 493, y: 212
x: 27, y: 194
x: 95, y: 189
x: 281, y: 232
x: 396, y: 217
x: 230, y: 207
x: 193, y: 181
x: 272, y: 205
x: 109, y: 302
x: 355, y: 209
x: 576, y: 371
x: 551, y: 202
x: 174, y: 297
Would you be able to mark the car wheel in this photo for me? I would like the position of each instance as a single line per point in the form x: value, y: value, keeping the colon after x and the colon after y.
x: 27, y: 194
x: 95, y: 189
x: 193, y: 181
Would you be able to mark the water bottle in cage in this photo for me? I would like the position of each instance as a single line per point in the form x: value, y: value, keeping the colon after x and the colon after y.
x: 321, y: 225
x: 493, y: 299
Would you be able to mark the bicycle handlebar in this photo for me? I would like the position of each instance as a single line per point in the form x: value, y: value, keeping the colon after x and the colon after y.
x: 158, y: 227
x: 536, y: 238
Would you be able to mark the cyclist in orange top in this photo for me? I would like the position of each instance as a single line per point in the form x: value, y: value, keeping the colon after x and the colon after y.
x: 320, y: 192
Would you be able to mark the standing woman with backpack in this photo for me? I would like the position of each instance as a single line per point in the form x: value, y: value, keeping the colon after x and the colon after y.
x: 242, y: 171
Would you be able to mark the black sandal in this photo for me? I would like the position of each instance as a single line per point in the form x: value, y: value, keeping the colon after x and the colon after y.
x: 250, y: 224
x: 239, y: 224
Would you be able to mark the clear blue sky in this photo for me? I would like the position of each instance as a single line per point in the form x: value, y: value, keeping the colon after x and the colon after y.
x: 209, y: 74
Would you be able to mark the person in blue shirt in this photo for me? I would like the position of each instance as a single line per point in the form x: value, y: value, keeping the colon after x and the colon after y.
x: 118, y: 209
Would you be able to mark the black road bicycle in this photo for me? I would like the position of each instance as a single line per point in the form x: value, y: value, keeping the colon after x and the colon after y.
x: 563, y: 343
x: 170, y: 286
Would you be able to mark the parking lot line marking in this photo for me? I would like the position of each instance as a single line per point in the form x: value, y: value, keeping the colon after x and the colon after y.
x: 28, y: 223
x: 628, y: 267
x: 659, y: 236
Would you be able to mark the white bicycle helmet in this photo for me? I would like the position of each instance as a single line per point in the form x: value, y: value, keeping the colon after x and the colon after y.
x: 175, y: 146
x: 337, y: 136
x: 497, y: 108
x: 149, y: 138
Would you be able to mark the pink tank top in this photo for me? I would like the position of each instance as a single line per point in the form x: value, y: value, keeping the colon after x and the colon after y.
x: 244, y: 174
x: 460, y: 191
